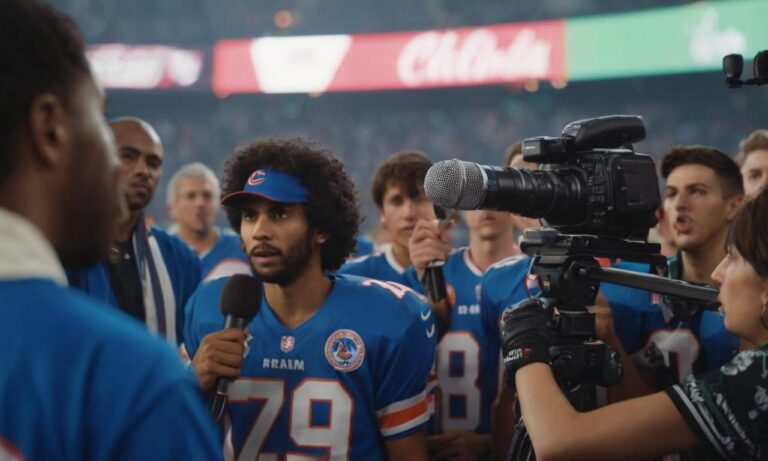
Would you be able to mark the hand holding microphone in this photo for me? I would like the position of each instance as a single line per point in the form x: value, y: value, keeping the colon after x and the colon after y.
x: 220, y: 355
x: 429, y: 247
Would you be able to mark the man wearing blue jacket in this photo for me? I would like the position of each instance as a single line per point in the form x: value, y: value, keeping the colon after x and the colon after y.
x: 150, y: 274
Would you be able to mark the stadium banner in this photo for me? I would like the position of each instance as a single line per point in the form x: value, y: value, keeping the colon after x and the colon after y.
x: 146, y: 67
x: 404, y: 60
x: 689, y: 38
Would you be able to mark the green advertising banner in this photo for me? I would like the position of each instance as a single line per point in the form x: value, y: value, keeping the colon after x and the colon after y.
x: 690, y: 38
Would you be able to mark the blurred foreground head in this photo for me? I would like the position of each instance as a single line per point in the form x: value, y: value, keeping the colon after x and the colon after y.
x: 58, y: 167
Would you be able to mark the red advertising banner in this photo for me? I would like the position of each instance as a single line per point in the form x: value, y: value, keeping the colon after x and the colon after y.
x: 145, y: 67
x: 426, y: 59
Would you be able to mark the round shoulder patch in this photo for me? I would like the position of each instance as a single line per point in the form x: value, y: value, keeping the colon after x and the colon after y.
x: 345, y: 350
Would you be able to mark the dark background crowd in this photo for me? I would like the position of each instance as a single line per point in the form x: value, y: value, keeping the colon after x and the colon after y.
x: 474, y: 123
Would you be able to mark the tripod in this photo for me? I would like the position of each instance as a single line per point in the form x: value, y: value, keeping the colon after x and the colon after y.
x: 569, y: 277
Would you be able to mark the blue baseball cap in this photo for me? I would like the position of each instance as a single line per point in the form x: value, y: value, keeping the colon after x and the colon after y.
x: 271, y: 185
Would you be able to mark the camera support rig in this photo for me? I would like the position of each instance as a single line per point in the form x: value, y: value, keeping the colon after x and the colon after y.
x: 569, y: 276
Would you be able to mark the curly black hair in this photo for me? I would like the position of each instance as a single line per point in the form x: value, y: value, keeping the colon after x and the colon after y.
x: 42, y: 52
x: 333, y: 205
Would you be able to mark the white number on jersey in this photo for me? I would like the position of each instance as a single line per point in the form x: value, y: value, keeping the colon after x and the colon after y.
x: 334, y: 437
x: 459, y: 344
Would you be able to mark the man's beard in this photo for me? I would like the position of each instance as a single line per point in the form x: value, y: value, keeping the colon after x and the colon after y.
x: 294, y: 262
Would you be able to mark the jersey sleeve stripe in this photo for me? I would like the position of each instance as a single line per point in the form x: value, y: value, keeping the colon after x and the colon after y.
x: 401, y: 405
x: 403, y: 420
x: 403, y: 415
x: 697, y: 420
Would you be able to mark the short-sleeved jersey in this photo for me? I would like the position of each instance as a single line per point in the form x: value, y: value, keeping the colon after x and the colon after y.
x: 629, y: 306
x: 178, y: 270
x: 225, y: 258
x: 337, y: 386
x: 678, y: 349
x: 728, y: 408
x: 504, y: 284
x: 467, y: 365
x: 379, y: 266
x: 87, y: 382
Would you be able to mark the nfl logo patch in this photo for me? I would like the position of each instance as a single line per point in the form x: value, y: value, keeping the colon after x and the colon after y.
x: 286, y: 343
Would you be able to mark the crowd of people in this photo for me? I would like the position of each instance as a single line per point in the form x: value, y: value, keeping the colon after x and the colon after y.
x: 474, y: 124
x: 407, y: 348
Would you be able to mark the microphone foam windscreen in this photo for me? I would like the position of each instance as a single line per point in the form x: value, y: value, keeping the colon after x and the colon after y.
x: 241, y: 297
x: 455, y: 184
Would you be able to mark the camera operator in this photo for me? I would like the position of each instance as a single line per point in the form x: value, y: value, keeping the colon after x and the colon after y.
x: 701, y: 198
x: 723, y: 412
x: 753, y: 160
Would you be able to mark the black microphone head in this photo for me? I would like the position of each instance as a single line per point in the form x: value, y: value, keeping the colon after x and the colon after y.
x: 733, y: 64
x: 241, y: 297
x: 455, y: 184
x: 760, y: 67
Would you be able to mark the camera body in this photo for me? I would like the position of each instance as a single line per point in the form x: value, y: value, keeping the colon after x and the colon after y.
x: 591, y: 181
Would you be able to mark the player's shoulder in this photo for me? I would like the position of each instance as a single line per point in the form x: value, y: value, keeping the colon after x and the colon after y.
x: 173, y: 246
x: 209, y: 293
x: 377, y: 296
x: 511, y: 264
x: 72, y: 316
x: 361, y: 261
x: 456, y: 256
x: 384, y: 309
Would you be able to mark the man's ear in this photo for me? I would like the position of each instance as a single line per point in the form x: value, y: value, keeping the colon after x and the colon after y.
x: 321, y: 237
x: 49, y: 128
x: 382, y: 220
x: 734, y: 203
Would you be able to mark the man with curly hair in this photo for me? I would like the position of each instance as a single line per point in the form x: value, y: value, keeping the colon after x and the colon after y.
x: 331, y: 366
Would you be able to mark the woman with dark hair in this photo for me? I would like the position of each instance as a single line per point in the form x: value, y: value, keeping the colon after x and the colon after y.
x: 722, y: 413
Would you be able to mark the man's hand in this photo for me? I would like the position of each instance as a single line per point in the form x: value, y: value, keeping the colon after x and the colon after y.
x: 458, y: 445
x: 429, y: 242
x: 220, y: 355
x: 525, y: 335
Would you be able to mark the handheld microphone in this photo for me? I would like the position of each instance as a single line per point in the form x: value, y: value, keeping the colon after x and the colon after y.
x: 434, y: 279
x: 240, y: 302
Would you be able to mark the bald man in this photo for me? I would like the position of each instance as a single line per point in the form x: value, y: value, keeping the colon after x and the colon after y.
x: 150, y: 274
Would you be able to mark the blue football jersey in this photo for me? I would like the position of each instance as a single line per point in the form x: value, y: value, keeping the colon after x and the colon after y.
x: 467, y: 361
x: 87, y: 382
x: 676, y: 349
x: 629, y: 306
x: 335, y: 387
x: 504, y: 284
x: 379, y: 266
x: 225, y: 258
